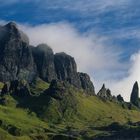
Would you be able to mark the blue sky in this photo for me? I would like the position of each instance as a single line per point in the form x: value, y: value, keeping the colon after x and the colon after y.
x: 105, y: 17
x: 114, y: 24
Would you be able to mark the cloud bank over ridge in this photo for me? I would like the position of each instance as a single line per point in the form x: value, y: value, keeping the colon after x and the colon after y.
x: 92, y: 53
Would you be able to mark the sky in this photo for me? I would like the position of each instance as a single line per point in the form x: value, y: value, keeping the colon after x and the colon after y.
x: 102, y: 35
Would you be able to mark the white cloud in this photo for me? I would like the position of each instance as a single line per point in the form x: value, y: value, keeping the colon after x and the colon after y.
x: 124, y: 85
x: 90, y: 52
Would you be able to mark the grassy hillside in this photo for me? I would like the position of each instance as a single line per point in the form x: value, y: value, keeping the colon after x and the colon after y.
x: 74, y: 115
x: 80, y: 114
x: 20, y: 123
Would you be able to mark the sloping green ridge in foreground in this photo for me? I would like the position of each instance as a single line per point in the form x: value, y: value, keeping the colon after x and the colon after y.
x: 76, y: 116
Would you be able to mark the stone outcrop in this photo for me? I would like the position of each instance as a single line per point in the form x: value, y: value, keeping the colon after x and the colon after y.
x: 57, y: 89
x: 105, y: 93
x: 120, y: 98
x: 66, y: 69
x: 86, y: 83
x: 44, y: 59
x: 18, y: 88
x: 15, y: 54
x: 134, y: 99
x: 21, y: 61
x: 5, y: 89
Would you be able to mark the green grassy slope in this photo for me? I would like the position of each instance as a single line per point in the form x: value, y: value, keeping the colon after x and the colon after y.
x: 21, y: 123
x: 76, y: 115
x: 76, y: 105
x: 38, y: 86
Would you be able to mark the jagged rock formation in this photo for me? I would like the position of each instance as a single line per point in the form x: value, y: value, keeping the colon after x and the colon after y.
x: 19, y: 61
x: 120, y: 98
x: 134, y: 99
x: 86, y: 83
x: 56, y: 89
x: 5, y: 89
x: 66, y: 69
x: 105, y: 93
x: 15, y: 54
x: 18, y: 88
x: 44, y: 59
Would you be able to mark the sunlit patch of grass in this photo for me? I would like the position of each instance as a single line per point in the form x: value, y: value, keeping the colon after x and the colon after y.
x: 1, y: 85
x: 39, y: 86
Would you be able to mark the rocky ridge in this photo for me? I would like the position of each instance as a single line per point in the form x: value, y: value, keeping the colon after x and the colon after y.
x: 20, y: 60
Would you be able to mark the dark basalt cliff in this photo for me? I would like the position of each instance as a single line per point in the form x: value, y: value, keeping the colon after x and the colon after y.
x: 19, y: 60
x: 15, y: 54
x: 44, y: 59
x: 66, y: 69
x: 86, y: 83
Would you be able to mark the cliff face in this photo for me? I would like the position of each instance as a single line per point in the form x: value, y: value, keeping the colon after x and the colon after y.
x: 86, y: 83
x: 44, y: 59
x: 15, y: 54
x: 19, y: 60
x: 66, y: 69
